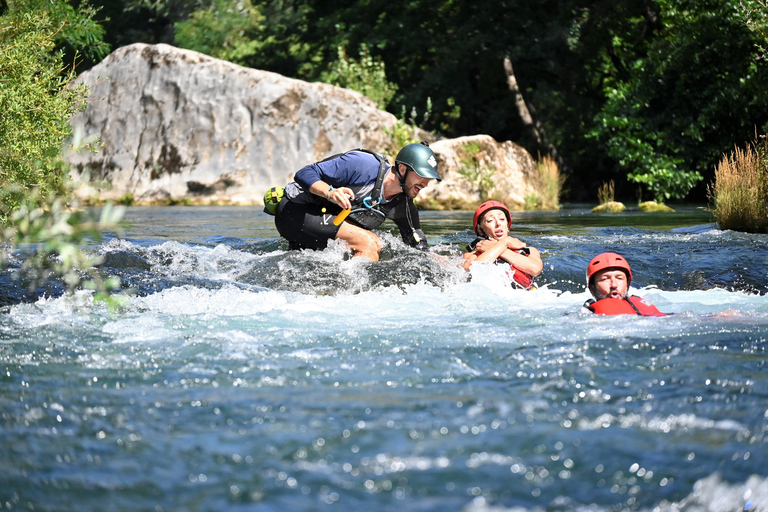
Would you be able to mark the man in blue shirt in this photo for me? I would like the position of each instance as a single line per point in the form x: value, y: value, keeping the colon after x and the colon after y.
x: 368, y: 188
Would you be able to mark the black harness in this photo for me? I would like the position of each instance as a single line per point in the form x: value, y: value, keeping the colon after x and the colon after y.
x: 367, y: 212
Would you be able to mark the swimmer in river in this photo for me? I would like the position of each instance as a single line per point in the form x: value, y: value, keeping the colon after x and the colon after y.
x: 348, y: 195
x: 491, y: 223
x: 608, y: 280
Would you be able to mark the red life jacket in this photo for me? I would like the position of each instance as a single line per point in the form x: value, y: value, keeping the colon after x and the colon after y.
x: 630, y: 306
x: 519, y: 278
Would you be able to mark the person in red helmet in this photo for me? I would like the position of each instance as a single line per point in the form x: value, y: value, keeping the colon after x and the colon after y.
x: 608, y: 280
x: 491, y: 224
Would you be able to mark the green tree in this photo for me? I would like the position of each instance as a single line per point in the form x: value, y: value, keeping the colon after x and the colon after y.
x: 36, y: 101
x: 680, y: 99
x: 35, y: 106
x: 652, y: 91
x: 238, y: 31
x: 76, y: 27
x: 755, y: 15
x: 227, y: 30
x: 139, y: 21
x: 367, y: 76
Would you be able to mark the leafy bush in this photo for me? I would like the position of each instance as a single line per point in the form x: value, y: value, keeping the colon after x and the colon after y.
x: 36, y: 101
x: 35, y: 105
x: 404, y: 132
x: 367, y: 76
x: 478, y: 175
x: 55, y: 237
x: 681, y: 85
x: 739, y: 194
x: 637, y: 148
x: 226, y: 30
x: 755, y: 13
x: 76, y: 29
x: 401, y: 134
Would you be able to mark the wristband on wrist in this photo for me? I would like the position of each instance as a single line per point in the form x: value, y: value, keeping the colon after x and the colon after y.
x: 329, y: 193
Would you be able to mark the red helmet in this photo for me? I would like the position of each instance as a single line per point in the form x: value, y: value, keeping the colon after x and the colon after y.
x: 490, y: 205
x: 608, y: 260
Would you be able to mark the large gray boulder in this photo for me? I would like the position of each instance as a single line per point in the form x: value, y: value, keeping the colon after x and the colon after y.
x: 178, y: 125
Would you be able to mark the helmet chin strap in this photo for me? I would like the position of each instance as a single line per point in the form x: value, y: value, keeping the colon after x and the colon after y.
x: 401, y: 178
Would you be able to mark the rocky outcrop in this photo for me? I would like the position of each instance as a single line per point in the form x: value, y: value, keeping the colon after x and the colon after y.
x: 476, y: 168
x: 179, y: 125
x: 654, y: 207
x: 609, y: 207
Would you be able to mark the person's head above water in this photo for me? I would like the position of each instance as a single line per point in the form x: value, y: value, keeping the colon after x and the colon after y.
x: 608, y: 275
x: 492, y: 219
x: 415, y: 165
x: 419, y: 158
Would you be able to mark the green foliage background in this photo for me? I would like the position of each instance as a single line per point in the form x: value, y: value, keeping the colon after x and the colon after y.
x: 648, y: 93
x: 36, y: 101
x: 30, y: 136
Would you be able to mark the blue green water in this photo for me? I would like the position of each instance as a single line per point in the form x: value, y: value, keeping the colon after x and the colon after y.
x: 240, y: 376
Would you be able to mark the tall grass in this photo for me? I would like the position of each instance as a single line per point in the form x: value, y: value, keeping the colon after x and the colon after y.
x: 606, y: 192
x: 739, y: 195
x: 548, y: 185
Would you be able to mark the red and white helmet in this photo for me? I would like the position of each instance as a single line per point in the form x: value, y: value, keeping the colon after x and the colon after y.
x: 489, y: 205
x: 608, y: 260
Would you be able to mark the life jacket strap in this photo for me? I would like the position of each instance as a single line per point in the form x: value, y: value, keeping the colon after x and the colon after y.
x: 633, y: 306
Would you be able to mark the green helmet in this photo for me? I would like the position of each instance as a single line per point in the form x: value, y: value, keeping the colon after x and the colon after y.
x: 420, y: 159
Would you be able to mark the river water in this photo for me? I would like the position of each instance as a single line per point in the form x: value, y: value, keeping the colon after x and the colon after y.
x: 237, y: 375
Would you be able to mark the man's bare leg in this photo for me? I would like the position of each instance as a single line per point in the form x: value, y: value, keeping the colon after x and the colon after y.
x: 361, y: 241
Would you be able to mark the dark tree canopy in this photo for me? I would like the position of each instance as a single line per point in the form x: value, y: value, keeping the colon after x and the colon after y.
x: 649, y: 93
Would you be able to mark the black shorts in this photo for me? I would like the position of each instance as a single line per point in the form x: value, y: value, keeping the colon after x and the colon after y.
x: 306, y: 226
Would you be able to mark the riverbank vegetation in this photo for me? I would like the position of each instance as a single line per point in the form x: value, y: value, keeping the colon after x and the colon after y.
x: 739, y: 194
x: 37, y: 215
x: 647, y: 93
x: 606, y: 197
x: 548, y: 185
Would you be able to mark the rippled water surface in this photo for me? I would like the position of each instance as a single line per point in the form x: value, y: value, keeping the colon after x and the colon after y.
x: 237, y: 375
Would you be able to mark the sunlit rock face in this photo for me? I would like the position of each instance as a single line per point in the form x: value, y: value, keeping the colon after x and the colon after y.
x: 176, y: 125
x: 478, y: 167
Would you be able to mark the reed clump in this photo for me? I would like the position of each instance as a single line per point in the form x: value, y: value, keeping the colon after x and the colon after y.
x: 606, y: 197
x: 739, y: 194
x: 606, y: 192
x: 547, y: 184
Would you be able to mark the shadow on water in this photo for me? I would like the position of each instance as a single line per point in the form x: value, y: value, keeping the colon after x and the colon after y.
x: 207, y: 247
